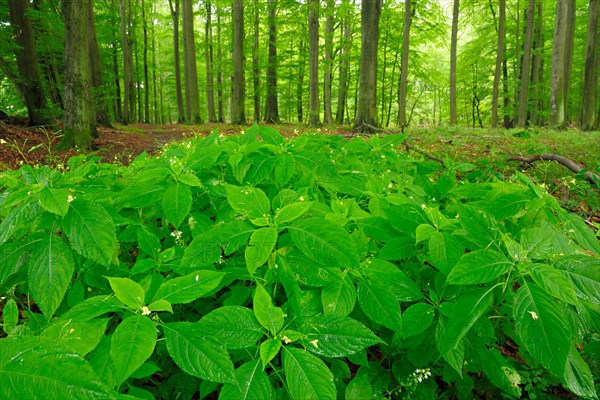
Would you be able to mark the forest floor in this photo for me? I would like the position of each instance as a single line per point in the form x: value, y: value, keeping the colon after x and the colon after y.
x: 484, y: 150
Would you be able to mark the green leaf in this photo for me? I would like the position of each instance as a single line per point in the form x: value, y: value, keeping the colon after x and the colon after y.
x: 324, y: 242
x: 128, y: 291
x: 249, y: 201
x: 481, y: 226
x: 188, y: 288
x: 307, y: 376
x: 260, y: 248
x: 10, y: 316
x: 542, y: 328
x: 503, y: 205
x: 359, y: 388
x: 189, y: 179
x: 177, y: 203
x: 50, y: 272
x: 406, y: 218
x: 160, y: 305
x: 54, y: 200
x: 444, y: 251
x: 578, y: 377
x: 580, y: 232
x: 235, y: 326
x: 101, y: 362
x: 292, y: 212
x: 132, y: 344
x: 339, y: 296
x: 266, y: 313
x: 252, y: 383
x: 78, y: 336
x: 148, y: 241
x: 553, y: 282
x: 379, y: 304
x: 271, y: 136
x: 398, y: 248
x: 461, y: 318
x: 91, y: 232
x: 202, y: 251
x: 537, y: 242
x: 268, y: 350
x: 197, y: 354
x: 386, y: 275
x: 416, y: 319
x: 337, y: 336
x: 41, y: 370
x: 479, y: 266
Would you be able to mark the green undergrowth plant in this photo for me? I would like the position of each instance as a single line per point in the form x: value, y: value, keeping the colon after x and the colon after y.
x: 254, y: 266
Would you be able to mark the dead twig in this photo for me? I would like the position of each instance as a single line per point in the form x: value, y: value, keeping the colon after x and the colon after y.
x: 408, y: 147
x: 593, y: 178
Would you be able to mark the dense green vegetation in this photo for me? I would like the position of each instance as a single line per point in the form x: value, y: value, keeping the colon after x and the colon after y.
x: 311, y: 267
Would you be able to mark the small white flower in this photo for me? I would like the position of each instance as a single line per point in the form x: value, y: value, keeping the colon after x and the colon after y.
x: 2, y: 141
x: 315, y: 343
x: 301, y: 198
x: 197, y: 277
x: 533, y: 314
x: 145, y: 311
x: 286, y: 339
x: 70, y: 198
x: 390, y: 185
x: 423, y: 206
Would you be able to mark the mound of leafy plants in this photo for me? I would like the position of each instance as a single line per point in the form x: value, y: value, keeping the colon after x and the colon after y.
x: 255, y: 266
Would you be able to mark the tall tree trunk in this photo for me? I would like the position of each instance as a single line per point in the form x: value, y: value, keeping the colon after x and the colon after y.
x: 404, y: 66
x: 146, y: 75
x: 238, y: 92
x: 154, y: 80
x: 314, y: 118
x: 29, y: 84
x: 453, y: 45
x: 271, y: 105
x: 118, y: 108
x: 367, y: 101
x: 569, y: 54
x: 499, y: 58
x: 383, y: 82
x: 590, y: 86
x: 219, y: 69
x: 255, y: 68
x: 101, y: 109
x: 537, y: 63
x: 344, y: 65
x: 79, y: 111
x: 557, y: 94
x: 174, y: 6
x: 525, y: 67
x: 391, y: 87
x: 208, y: 37
x: 300, y: 85
x: 327, y: 75
x: 192, y: 103
x: 128, y: 98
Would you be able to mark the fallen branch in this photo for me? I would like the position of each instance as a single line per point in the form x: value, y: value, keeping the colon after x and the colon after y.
x: 593, y: 178
x: 431, y: 157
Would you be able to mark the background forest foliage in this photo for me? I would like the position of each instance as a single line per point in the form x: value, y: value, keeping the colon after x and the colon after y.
x: 137, y: 73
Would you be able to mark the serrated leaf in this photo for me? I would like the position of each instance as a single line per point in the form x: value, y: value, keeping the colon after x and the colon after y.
x: 78, y: 336
x: 542, y: 328
x: 268, y: 315
x: 292, y: 212
x: 463, y: 315
x: 268, y: 350
x: 260, y: 248
x: 337, y: 336
x: 249, y: 201
x: 10, y: 316
x: 252, y: 383
x: 160, y: 305
x: 189, y: 179
x: 101, y: 362
x: 197, y: 354
x: 553, y: 282
x: 479, y: 266
x: 307, y: 376
x: 54, y: 200
x: 140, y: 195
x: 148, y: 241
x: 359, y: 388
x: 235, y: 326
x: 91, y: 231
x: 406, y: 218
x: 481, y: 226
x: 177, y: 203
x: 416, y: 319
x: 338, y: 296
x: 444, y: 251
x: 379, y: 304
x: 324, y: 242
x: 50, y: 270
x: 578, y: 377
x: 202, y: 251
x: 389, y: 277
x: 34, y: 370
x: 132, y: 344
x: 190, y: 287
x: 398, y: 248
x: 128, y: 291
